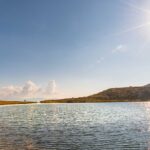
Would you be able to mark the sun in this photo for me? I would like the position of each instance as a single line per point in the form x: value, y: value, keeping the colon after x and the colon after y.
x: 144, y: 19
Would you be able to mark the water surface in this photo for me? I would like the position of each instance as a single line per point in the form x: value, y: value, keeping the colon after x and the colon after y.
x: 95, y: 126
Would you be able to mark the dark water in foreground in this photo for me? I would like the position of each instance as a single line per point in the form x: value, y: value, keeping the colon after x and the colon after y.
x: 98, y: 126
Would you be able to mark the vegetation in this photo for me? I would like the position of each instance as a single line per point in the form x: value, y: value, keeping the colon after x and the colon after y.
x: 80, y: 100
x: 4, y: 102
x: 126, y: 94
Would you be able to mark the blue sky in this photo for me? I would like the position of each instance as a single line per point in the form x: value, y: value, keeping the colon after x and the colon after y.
x: 85, y: 46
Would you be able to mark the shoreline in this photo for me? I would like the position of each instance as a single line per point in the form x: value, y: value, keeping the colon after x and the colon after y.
x: 7, y: 103
x: 92, y: 100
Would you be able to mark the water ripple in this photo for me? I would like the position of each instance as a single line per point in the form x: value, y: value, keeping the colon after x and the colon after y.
x: 106, y: 126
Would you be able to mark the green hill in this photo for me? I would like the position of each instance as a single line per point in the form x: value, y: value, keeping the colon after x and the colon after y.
x: 126, y: 93
x: 123, y: 94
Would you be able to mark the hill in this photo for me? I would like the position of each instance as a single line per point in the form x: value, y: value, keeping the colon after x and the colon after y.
x: 126, y: 93
x: 123, y: 94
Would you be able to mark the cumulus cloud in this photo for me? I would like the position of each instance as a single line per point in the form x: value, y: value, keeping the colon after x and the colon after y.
x: 51, y: 87
x: 29, y: 90
x: 120, y: 49
x: 10, y: 91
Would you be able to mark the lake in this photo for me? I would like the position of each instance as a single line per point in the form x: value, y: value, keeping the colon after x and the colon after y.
x: 95, y: 126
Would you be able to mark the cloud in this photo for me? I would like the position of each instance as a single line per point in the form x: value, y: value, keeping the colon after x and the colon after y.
x: 30, y: 90
x: 51, y: 87
x: 120, y: 49
x: 10, y: 91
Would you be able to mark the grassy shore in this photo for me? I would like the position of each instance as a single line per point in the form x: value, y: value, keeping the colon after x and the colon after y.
x: 69, y: 100
x: 89, y: 100
x: 6, y: 102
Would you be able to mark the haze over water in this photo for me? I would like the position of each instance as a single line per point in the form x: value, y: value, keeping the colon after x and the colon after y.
x: 75, y: 126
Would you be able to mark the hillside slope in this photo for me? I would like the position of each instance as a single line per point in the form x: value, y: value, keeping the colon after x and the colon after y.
x: 125, y: 94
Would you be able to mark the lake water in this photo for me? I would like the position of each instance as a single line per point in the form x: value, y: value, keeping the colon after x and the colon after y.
x: 95, y: 126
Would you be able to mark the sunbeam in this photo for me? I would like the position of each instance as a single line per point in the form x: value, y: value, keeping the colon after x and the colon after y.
x: 145, y: 16
x: 133, y: 28
x: 136, y: 7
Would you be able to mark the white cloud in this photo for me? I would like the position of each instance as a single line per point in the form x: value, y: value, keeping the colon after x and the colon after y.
x: 120, y: 49
x: 51, y: 90
x: 10, y: 91
x: 30, y: 90
x: 51, y: 87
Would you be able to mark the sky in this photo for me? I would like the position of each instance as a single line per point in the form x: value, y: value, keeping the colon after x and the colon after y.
x: 72, y: 48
